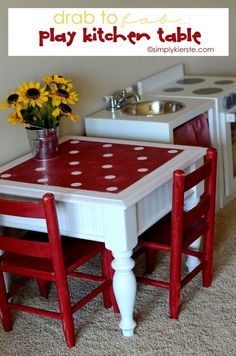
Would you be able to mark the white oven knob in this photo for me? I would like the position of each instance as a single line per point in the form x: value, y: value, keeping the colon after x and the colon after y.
x: 230, y: 117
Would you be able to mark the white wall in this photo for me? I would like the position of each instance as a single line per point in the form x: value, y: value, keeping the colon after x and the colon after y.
x: 94, y: 77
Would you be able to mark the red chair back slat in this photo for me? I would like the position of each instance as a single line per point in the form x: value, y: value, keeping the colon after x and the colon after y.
x: 24, y: 247
x: 41, y: 210
x: 195, y: 177
x: 22, y: 209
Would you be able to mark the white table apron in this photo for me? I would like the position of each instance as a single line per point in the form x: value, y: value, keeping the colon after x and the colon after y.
x: 116, y: 219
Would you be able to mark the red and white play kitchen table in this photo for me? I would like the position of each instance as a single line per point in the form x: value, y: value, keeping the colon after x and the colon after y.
x: 106, y: 190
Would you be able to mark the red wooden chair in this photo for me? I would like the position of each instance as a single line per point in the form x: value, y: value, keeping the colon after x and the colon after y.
x: 179, y: 229
x: 46, y: 259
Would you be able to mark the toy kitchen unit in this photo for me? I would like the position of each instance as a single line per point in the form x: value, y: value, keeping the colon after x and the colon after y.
x: 177, y: 108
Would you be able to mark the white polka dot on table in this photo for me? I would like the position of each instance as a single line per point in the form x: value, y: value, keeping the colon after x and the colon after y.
x: 74, y: 163
x: 111, y: 189
x: 40, y: 169
x: 139, y: 148
x: 76, y: 184
x: 75, y: 141
x: 172, y: 151
x: 141, y: 158
x: 5, y: 175
x: 76, y: 173
x: 107, y: 145
x: 142, y: 170
x: 73, y: 152
x: 110, y: 177
x: 108, y: 155
x: 42, y: 180
x: 106, y: 166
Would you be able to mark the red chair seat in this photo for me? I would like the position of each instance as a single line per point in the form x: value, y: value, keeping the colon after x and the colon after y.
x: 73, y: 250
x: 160, y: 233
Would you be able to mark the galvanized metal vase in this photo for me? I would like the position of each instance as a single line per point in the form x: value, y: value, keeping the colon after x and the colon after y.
x: 43, y: 143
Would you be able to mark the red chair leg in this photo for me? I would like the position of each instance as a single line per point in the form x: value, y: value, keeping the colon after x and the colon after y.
x: 150, y: 260
x: 4, y: 311
x: 109, y: 272
x: 175, y: 283
x: 207, y: 256
x: 66, y: 314
x: 174, y: 301
x: 43, y: 287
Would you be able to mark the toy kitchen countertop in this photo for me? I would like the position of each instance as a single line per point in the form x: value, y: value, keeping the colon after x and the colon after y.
x: 157, y: 128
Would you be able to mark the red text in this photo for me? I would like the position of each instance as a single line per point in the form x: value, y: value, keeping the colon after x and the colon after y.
x: 179, y: 35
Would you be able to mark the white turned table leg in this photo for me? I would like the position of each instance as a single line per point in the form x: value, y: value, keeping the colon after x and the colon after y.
x: 191, y: 261
x: 124, y: 285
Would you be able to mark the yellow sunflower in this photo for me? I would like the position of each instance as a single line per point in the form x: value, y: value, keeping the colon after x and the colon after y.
x: 16, y: 118
x: 11, y: 101
x: 31, y: 94
x: 58, y: 80
x: 62, y: 96
x: 65, y: 110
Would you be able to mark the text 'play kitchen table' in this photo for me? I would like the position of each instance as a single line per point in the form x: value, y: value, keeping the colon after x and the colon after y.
x: 106, y: 190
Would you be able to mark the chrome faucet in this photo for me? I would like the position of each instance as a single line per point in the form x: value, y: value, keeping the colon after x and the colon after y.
x: 128, y: 95
x: 120, y: 98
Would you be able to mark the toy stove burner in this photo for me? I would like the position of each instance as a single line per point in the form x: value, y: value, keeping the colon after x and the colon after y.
x: 206, y: 91
x: 224, y: 82
x: 190, y: 81
x: 173, y: 90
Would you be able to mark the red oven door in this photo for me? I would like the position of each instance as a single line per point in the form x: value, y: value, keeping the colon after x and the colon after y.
x: 195, y: 132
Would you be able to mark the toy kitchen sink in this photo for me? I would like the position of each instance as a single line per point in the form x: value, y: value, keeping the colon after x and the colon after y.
x: 151, y: 119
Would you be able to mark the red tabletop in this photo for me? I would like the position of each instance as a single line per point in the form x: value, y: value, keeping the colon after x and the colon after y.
x: 91, y: 165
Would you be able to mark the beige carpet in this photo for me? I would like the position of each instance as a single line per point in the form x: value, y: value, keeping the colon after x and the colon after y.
x: 206, y: 326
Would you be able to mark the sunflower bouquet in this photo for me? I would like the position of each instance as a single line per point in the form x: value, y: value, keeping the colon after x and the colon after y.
x: 38, y: 106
